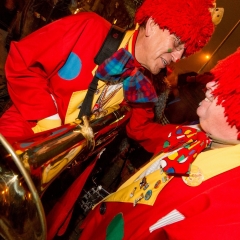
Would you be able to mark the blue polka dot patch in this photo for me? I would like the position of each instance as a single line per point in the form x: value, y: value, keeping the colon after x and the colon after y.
x: 71, y: 69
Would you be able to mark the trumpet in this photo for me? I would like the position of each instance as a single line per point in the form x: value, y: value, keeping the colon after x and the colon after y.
x: 28, y: 167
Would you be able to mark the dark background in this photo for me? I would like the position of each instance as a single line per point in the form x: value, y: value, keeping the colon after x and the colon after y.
x: 225, y: 40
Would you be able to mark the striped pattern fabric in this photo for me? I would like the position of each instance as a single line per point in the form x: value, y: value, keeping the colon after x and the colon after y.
x: 172, y: 217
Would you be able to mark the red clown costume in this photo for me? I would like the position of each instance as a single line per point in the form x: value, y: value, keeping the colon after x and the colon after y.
x: 49, y: 71
x: 202, y: 204
x: 50, y: 63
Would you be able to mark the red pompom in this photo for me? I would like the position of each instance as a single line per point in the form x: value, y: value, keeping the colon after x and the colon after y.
x: 227, y: 74
x: 189, y: 19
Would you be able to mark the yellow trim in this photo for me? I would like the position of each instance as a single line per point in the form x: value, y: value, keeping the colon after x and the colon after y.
x: 124, y: 195
x: 127, y: 40
x: 46, y: 124
x: 144, y: 168
x: 77, y: 97
x: 217, y: 161
x: 211, y: 163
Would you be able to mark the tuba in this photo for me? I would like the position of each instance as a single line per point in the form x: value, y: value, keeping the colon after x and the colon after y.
x: 28, y: 167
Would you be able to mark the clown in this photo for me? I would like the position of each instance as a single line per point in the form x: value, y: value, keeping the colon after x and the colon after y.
x: 49, y: 71
x: 191, y: 188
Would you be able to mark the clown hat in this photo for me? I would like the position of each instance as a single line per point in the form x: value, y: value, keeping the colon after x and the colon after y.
x: 191, y: 20
x: 227, y: 74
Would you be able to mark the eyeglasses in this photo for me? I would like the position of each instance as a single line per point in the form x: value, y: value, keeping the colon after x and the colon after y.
x: 177, y: 44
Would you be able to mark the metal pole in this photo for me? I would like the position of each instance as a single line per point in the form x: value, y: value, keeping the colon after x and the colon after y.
x: 219, y: 46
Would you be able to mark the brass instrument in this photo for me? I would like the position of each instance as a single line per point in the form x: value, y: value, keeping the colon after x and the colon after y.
x: 28, y: 167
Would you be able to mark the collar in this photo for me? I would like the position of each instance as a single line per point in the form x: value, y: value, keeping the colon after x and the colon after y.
x: 136, y: 63
x: 220, y: 143
x: 131, y: 48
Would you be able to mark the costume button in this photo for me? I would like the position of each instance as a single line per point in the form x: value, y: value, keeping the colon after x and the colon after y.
x: 195, y: 177
x: 148, y: 195
x: 157, y: 184
x: 103, y: 208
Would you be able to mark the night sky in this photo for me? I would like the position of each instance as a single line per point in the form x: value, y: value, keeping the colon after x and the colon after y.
x: 230, y: 25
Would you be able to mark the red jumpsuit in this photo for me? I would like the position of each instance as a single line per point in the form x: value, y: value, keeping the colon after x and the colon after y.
x: 57, y: 59
x: 149, y: 134
x: 210, y: 210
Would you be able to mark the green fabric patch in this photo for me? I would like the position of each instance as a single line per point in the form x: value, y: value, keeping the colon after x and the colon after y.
x: 166, y: 144
x: 115, y: 230
x: 187, y: 146
x: 181, y: 158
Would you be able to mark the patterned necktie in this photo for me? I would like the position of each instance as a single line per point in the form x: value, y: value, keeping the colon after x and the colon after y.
x: 183, y: 146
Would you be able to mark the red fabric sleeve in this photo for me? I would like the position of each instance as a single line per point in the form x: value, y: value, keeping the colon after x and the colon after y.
x: 142, y: 129
x: 28, y: 65
x: 33, y: 61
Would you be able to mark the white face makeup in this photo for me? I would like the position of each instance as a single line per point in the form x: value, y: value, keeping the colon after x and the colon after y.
x: 212, y: 117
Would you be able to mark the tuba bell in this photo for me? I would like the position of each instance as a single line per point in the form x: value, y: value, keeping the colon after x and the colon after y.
x: 28, y: 167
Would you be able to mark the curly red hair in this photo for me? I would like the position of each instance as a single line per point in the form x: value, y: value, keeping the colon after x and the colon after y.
x: 189, y: 19
x: 227, y: 75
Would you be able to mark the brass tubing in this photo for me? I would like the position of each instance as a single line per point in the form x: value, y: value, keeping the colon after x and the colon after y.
x: 29, y: 183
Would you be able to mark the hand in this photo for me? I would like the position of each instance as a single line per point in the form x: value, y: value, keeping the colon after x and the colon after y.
x: 85, y: 129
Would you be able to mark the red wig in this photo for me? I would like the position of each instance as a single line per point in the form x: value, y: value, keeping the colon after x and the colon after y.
x: 189, y: 19
x: 227, y: 74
